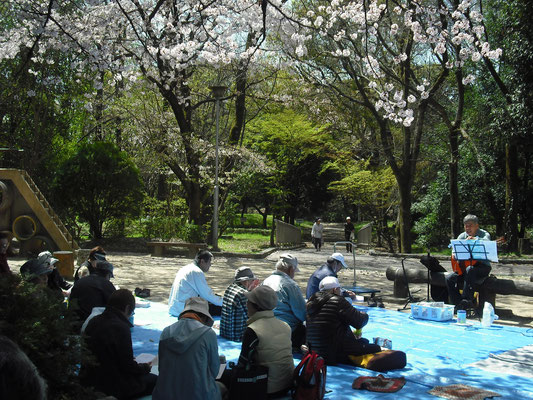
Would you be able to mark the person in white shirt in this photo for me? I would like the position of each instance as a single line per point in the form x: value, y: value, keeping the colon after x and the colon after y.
x: 190, y: 282
x: 316, y: 234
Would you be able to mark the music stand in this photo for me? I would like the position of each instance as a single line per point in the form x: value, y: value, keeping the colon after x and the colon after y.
x: 410, y: 298
x: 432, y: 265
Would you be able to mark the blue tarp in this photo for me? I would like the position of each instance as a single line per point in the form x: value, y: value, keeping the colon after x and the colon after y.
x: 438, y: 353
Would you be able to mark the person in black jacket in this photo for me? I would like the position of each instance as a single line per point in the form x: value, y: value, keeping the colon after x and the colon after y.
x: 329, y: 317
x: 93, y: 290
x: 108, y: 337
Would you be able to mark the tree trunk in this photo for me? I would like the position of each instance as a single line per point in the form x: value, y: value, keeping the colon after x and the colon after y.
x: 453, y: 169
x: 404, y: 186
x: 511, y: 195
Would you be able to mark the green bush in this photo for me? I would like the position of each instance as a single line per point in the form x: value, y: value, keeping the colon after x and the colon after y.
x: 39, y: 322
x: 97, y: 184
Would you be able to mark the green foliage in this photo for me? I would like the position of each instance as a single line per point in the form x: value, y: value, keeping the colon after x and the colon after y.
x: 163, y: 219
x: 38, y: 321
x: 433, y: 226
x: 297, y: 150
x: 98, y: 183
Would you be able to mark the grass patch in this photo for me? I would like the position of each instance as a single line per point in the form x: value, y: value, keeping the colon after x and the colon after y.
x: 244, y: 242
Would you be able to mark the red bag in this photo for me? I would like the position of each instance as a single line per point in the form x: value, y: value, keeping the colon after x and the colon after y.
x: 310, y: 378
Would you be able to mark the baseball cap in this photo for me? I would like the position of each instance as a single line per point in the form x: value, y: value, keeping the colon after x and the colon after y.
x: 263, y: 296
x: 244, y: 274
x: 329, y: 282
x: 339, y: 257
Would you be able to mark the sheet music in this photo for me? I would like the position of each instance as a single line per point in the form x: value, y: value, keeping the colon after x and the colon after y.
x: 474, y: 249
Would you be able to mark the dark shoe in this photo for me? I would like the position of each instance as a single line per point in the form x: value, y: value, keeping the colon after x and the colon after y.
x: 372, y: 303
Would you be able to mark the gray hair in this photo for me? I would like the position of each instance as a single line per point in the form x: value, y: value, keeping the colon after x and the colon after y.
x: 470, y: 218
x: 283, y: 266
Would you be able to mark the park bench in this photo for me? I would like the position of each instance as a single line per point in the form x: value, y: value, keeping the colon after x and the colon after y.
x: 488, y: 289
x: 158, y: 248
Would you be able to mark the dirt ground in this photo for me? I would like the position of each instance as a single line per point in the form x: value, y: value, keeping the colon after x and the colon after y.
x: 157, y: 273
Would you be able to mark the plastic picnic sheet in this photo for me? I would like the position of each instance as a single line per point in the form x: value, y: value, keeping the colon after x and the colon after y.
x: 438, y: 353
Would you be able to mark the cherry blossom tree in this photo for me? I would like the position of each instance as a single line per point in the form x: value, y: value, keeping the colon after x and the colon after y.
x: 391, y: 57
x: 168, y: 44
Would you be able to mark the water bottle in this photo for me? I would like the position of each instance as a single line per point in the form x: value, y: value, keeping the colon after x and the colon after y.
x: 488, y: 315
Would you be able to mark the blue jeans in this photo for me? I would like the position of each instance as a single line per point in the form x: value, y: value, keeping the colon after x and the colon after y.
x: 472, y: 275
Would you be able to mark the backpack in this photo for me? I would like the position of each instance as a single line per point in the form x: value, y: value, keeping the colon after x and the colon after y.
x: 310, y: 378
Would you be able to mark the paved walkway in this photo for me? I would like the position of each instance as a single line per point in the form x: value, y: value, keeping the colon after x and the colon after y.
x: 157, y: 273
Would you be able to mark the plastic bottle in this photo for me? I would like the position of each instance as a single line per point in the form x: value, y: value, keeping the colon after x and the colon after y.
x: 488, y: 315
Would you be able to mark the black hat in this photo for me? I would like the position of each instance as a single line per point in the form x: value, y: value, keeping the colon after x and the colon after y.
x: 105, y: 266
x: 33, y: 268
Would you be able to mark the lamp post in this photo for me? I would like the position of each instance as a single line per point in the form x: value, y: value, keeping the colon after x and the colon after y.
x: 218, y: 92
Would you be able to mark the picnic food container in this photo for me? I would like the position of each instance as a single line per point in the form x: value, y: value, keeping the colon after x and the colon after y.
x: 433, y: 311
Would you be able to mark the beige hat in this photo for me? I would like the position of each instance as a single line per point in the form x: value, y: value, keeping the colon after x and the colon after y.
x: 329, y: 282
x: 198, y: 305
x: 264, y: 297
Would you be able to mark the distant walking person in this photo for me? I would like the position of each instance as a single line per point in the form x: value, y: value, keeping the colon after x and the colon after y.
x: 316, y: 234
x: 348, y: 230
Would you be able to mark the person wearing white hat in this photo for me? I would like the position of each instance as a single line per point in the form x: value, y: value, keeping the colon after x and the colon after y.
x: 188, y: 356
x: 55, y: 280
x: 329, y: 317
x: 234, y: 312
x: 333, y: 265
x: 291, y: 303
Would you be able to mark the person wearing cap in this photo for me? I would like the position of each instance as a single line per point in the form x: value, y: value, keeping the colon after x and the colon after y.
x: 188, y: 356
x: 55, y: 280
x: 5, y: 240
x: 329, y: 318
x: 348, y: 230
x: 333, y: 265
x: 316, y: 234
x: 87, y: 267
x: 190, y: 282
x: 270, y: 338
x: 234, y: 312
x: 36, y: 272
x: 93, y: 290
x: 108, y: 337
x: 291, y: 303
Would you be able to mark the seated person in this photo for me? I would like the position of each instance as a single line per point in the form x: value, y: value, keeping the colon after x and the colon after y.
x: 333, y: 265
x: 87, y: 267
x: 109, y: 339
x: 5, y: 241
x: 190, y: 282
x: 291, y: 303
x: 234, y: 312
x: 20, y: 379
x: 329, y: 317
x: 467, y: 273
x: 55, y: 280
x: 36, y: 272
x: 188, y: 356
x: 270, y: 338
x: 93, y: 290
